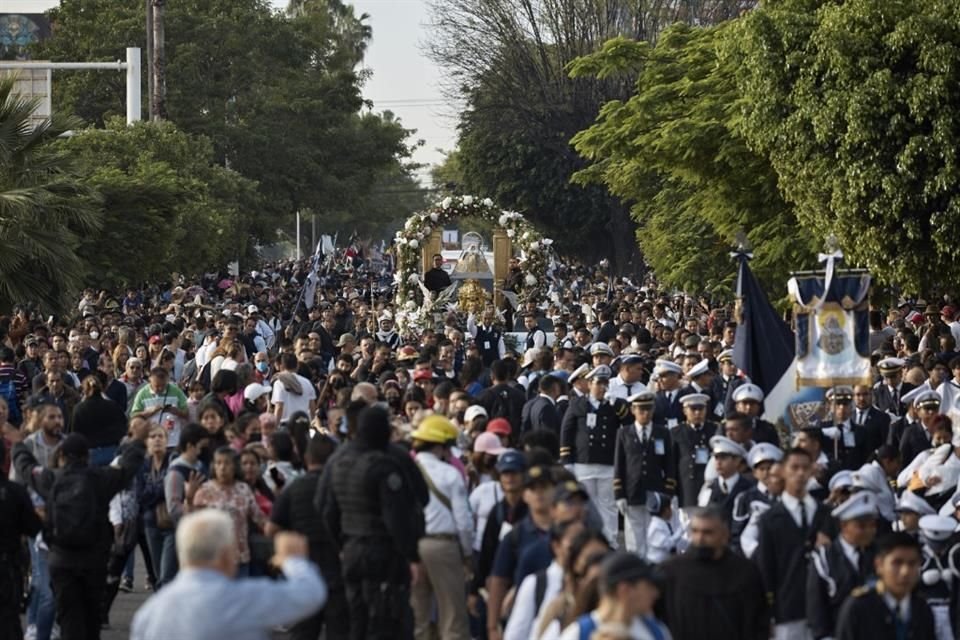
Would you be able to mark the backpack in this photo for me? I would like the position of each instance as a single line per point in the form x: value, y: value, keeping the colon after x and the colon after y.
x: 539, y: 588
x: 204, y: 376
x: 8, y: 391
x: 72, y: 510
x: 501, y: 407
x: 587, y: 626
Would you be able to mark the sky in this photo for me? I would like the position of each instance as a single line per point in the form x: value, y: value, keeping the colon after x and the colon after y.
x: 403, y: 79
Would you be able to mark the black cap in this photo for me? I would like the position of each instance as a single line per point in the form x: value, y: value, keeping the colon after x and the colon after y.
x: 570, y: 489
x: 538, y: 475
x: 622, y: 566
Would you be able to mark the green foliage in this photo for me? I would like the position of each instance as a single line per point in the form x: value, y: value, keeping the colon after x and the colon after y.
x: 166, y: 206
x: 856, y: 105
x: 45, y: 207
x: 674, y: 151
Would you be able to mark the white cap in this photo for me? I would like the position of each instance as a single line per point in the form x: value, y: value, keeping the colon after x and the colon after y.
x: 927, y: 398
x: 666, y: 366
x: 842, y: 479
x: 601, y: 348
x: 748, y: 392
x: 764, y: 452
x: 723, y: 444
x: 912, y: 395
x: 937, y: 528
x: 695, y: 398
x: 473, y: 411
x: 891, y: 364
x: 578, y: 373
x: 913, y: 503
x: 253, y: 309
x: 529, y: 356
x: 699, y: 369
x: 726, y: 354
x: 860, y: 505
x: 870, y: 477
x: 840, y: 391
x: 254, y: 390
x: 644, y: 397
x: 603, y: 371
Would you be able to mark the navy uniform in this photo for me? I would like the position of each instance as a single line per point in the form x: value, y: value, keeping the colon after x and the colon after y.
x: 889, y: 392
x: 701, y: 381
x: 875, y: 423
x: 588, y: 438
x: 691, y: 452
x: 936, y: 576
x: 838, y: 568
x: 847, y: 444
x: 916, y: 437
x: 724, y: 386
x: 721, y: 493
x: 751, y: 394
x: 668, y: 410
x: 869, y: 614
x: 643, y: 464
x: 743, y: 508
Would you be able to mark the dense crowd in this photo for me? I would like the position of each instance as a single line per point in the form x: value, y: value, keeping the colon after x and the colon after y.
x: 604, y: 472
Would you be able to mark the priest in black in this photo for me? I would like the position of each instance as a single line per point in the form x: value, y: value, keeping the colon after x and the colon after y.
x: 436, y: 279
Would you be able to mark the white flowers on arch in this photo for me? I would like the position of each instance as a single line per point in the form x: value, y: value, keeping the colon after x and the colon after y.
x: 413, y: 316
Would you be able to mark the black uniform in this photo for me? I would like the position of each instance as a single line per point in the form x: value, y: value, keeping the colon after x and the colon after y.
x: 876, y: 423
x: 665, y: 409
x: 691, y: 451
x: 831, y: 577
x: 887, y: 400
x: 585, y: 444
x: 641, y: 467
x: 436, y: 279
x: 897, y: 429
x: 846, y: 455
x: 938, y: 586
x: 764, y: 431
x: 725, y: 389
x: 915, y: 439
x: 743, y: 509
x: 725, y: 501
x: 782, y: 550
x: 529, y: 341
x: 17, y: 519
x: 370, y: 508
x: 540, y: 413
x: 866, y: 616
x: 294, y: 510
x: 488, y: 342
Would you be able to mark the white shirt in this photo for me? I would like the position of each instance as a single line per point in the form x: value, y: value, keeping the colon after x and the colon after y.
x: 703, y: 498
x: 662, y: 541
x: 482, y: 501
x: 793, y: 506
x: 438, y: 518
x: 638, y: 631
x: 525, y: 616
x: 472, y: 329
x: 903, y: 606
x: 850, y: 552
x: 291, y: 401
x: 620, y: 389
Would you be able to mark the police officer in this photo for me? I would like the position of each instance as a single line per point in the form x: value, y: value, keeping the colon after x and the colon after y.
x: 487, y: 337
x: 371, y: 508
x: 723, y: 491
x: 643, y: 464
x: 17, y: 519
x: 888, y: 393
x: 588, y: 438
x: 691, y: 447
x: 668, y: 410
x: 843, y: 565
x: 847, y: 443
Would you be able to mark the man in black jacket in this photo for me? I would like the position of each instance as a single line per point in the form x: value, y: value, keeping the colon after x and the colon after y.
x: 502, y: 400
x: 436, y: 279
x: 541, y: 412
x: 77, y: 570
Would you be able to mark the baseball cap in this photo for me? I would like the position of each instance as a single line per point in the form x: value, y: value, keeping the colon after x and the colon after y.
x: 254, y: 390
x: 488, y: 442
x: 473, y: 411
x: 511, y: 460
x: 499, y: 426
x: 423, y: 374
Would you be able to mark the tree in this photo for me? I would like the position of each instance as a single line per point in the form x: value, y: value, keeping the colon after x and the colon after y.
x: 507, y: 59
x: 45, y: 207
x: 856, y: 105
x: 674, y: 151
x: 166, y: 206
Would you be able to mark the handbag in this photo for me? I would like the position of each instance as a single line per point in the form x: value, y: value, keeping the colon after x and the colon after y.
x: 162, y: 516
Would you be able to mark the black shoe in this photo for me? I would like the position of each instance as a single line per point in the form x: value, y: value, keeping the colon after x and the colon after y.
x: 126, y: 585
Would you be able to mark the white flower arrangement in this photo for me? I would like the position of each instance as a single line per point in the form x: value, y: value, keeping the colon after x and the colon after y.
x: 446, y: 202
x: 487, y: 202
x: 467, y: 200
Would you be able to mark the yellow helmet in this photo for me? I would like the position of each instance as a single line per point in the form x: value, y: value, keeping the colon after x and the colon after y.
x: 435, y: 428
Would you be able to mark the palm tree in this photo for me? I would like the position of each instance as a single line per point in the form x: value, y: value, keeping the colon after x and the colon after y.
x: 45, y: 207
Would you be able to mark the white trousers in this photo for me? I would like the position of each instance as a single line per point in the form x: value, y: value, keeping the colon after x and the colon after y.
x: 598, y: 480
x: 636, y: 522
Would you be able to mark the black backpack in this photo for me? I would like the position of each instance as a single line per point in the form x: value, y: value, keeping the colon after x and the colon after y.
x: 501, y: 406
x: 72, y: 510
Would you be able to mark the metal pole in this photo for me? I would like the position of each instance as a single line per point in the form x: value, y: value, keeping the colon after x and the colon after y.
x: 298, y: 235
x: 133, y: 84
x: 313, y: 230
x: 149, y: 11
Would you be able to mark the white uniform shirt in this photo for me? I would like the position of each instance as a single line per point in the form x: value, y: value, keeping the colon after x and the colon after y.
x: 439, y: 519
x: 525, y: 616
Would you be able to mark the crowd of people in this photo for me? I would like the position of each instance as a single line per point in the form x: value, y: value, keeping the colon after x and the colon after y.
x: 606, y: 474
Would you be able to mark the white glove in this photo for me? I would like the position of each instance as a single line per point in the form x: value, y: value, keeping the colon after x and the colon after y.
x: 622, y: 506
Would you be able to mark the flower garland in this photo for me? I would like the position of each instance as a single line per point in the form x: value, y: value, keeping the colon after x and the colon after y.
x: 413, y: 316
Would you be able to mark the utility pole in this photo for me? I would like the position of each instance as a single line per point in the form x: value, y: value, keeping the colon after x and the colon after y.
x: 148, y: 10
x: 158, y: 76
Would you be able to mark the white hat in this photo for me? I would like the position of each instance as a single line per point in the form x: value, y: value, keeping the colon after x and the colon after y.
x: 578, y: 373
x: 253, y: 309
x: 840, y: 391
x: 912, y: 395
x: 601, y: 372
x: 748, y: 392
x: 764, y: 452
x: 723, y: 444
x: 927, y: 398
x: 695, y: 398
x: 859, y: 505
x: 913, y: 503
x: 890, y: 365
x: 666, y: 366
x: 726, y: 354
x: 601, y: 348
x: 841, y: 480
x: 870, y: 477
x: 699, y: 369
x: 528, y: 356
x: 254, y: 390
x: 386, y: 315
x: 473, y: 411
x: 937, y: 528
x: 644, y: 397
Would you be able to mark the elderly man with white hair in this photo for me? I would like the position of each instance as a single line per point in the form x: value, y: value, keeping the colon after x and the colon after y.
x: 205, y: 602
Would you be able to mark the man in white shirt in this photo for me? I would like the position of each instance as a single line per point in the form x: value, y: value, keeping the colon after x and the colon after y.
x: 292, y: 392
x: 445, y: 550
x: 627, y: 381
x: 540, y: 588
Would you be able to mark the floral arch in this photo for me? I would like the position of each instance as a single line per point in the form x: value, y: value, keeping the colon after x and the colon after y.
x: 410, y: 242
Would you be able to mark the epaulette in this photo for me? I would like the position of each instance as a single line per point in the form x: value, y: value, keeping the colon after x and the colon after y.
x: 617, y: 482
x: 860, y: 591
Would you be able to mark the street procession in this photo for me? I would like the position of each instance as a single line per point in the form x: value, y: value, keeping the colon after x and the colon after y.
x: 479, y: 320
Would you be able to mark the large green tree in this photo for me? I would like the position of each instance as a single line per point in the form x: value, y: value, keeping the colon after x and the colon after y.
x: 856, y: 104
x: 165, y: 205
x: 674, y: 151
x: 45, y: 207
x: 278, y: 95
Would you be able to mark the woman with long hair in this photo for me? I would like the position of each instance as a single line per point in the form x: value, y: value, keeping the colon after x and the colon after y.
x: 157, y: 525
x: 101, y: 420
x: 227, y: 492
